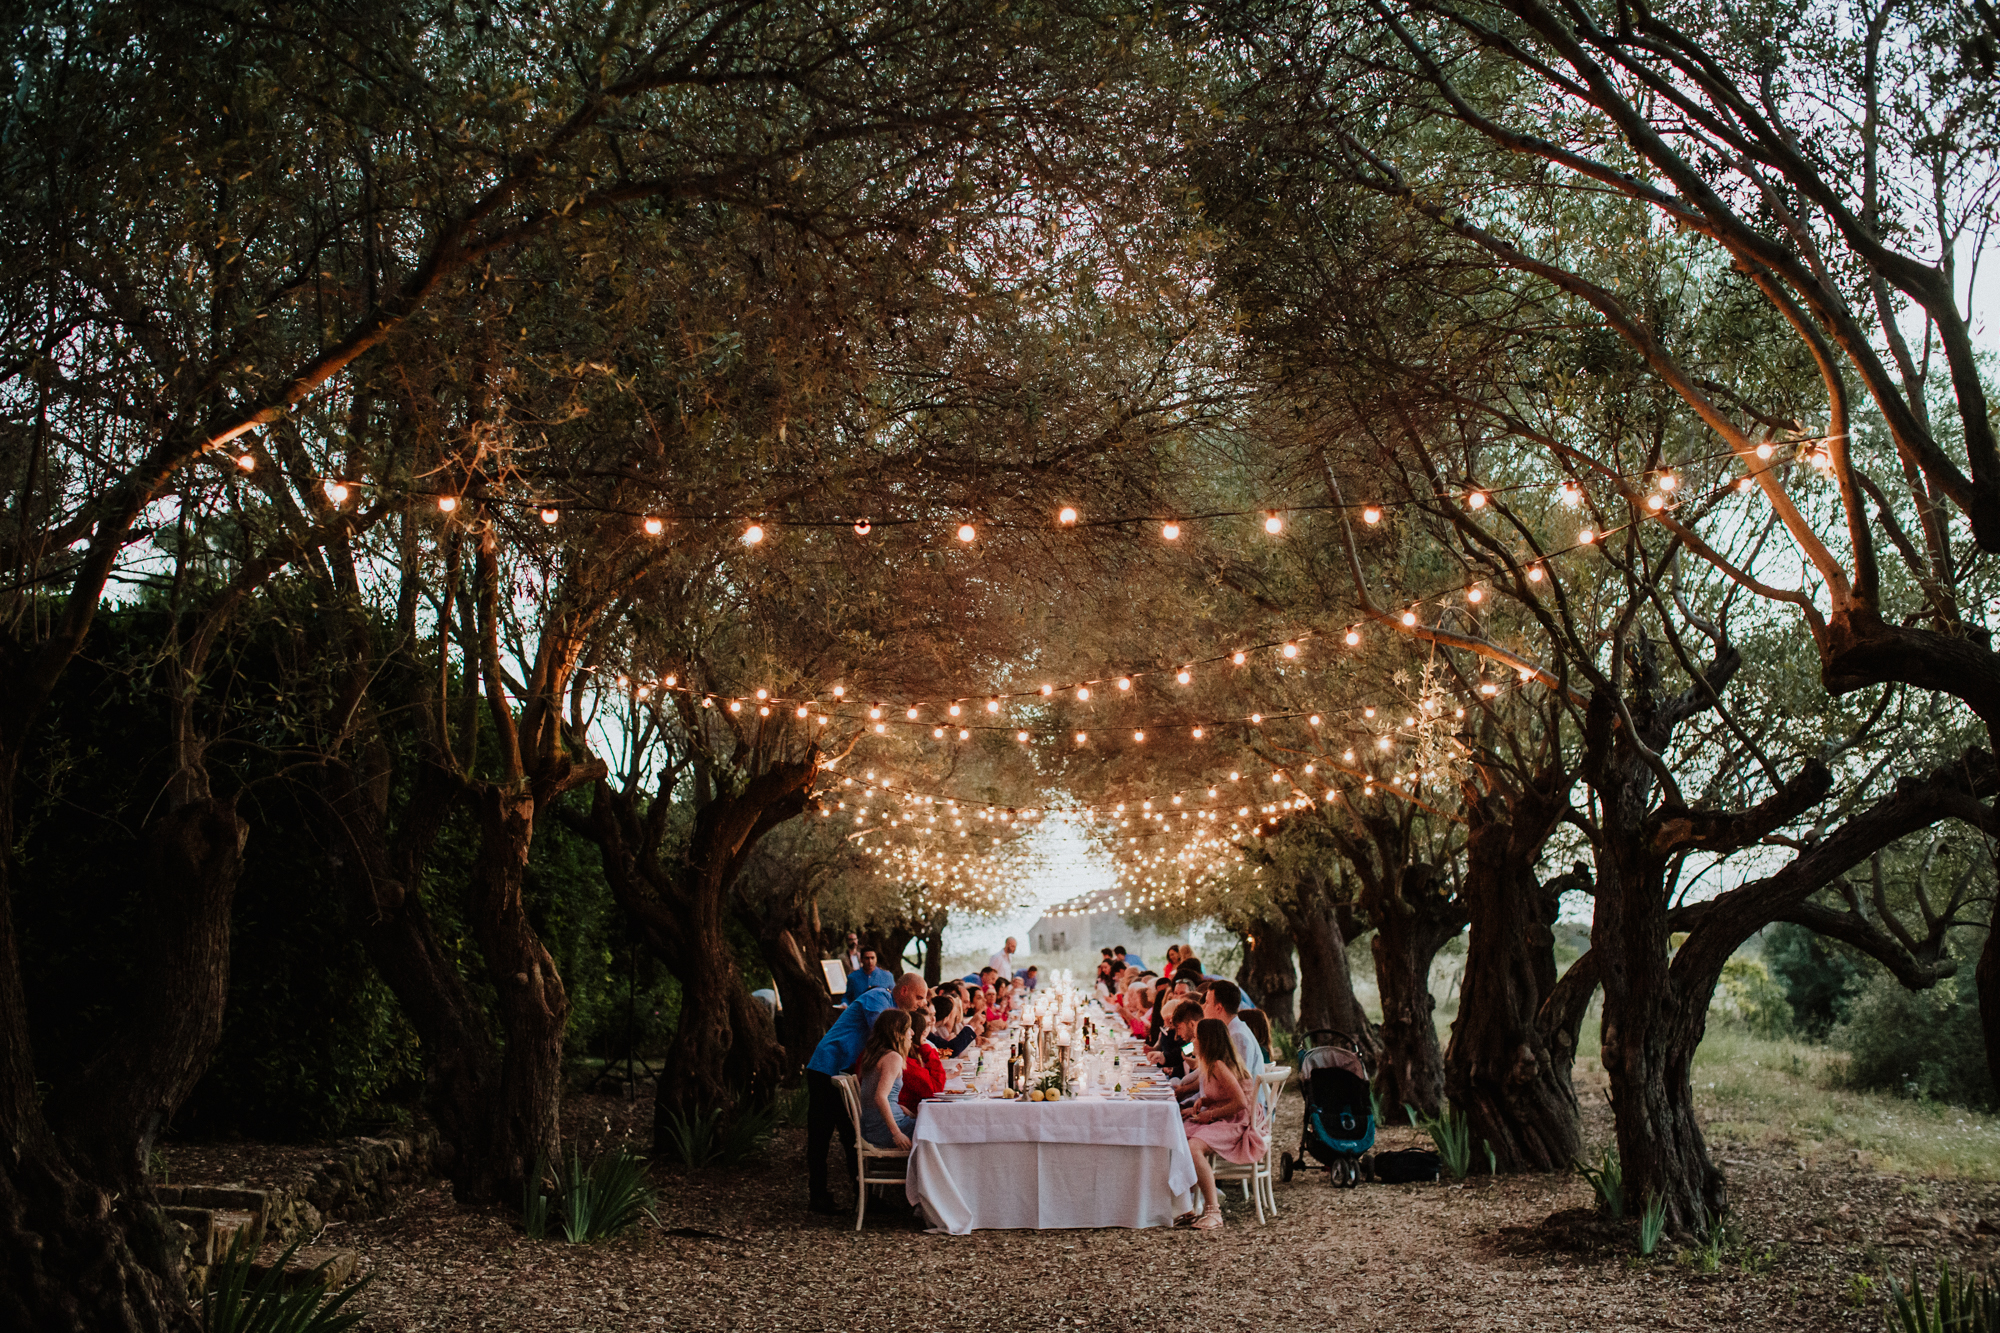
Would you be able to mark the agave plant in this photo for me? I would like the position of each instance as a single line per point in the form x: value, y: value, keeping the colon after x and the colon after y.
x: 240, y: 1301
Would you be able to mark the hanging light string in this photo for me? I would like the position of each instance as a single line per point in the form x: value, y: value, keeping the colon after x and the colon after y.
x: 754, y: 525
x: 961, y: 710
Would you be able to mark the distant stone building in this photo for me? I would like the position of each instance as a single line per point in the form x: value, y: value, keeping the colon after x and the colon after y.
x: 1075, y: 941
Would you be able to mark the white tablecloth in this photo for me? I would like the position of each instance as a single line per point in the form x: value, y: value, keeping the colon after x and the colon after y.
x: 981, y: 1165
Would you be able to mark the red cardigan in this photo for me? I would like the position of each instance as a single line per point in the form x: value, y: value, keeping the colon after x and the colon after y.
x: 923, y: 1076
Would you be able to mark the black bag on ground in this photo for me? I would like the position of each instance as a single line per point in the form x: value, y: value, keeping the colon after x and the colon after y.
x: 1404, y: 1166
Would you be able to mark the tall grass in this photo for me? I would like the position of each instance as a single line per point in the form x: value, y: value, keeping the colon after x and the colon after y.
x: 590, y: 1203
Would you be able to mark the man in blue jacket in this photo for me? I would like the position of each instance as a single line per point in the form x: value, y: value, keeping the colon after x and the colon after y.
x: 867, y: 977
x: 837, y: 1053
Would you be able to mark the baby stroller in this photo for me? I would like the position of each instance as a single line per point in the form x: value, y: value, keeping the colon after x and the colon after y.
x: 1340, y: 1118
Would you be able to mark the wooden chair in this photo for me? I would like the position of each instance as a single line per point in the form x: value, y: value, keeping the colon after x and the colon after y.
x: 866, y: 1152
x: 1257, y: 1176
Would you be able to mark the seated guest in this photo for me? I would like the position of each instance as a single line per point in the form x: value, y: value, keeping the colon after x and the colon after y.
x: 883, y: 1122
x: 1002, y: 1004
x: 1124, y: 959
x: 1225, y: 1121
x: 1259, y: 1024
x: 1173, y: 958
x: 837, y: 1052
x: 1028, y: 976
x: 1222, y: 1004
x: 867, y: 977
x: 951, y: 1034
x: 1156, y: 1018
x: 1189, y: 970
x: 1173, y: 1048
x: 923, y: 1074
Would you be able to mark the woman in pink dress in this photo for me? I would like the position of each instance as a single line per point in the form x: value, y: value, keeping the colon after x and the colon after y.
x: 1225, y: 1121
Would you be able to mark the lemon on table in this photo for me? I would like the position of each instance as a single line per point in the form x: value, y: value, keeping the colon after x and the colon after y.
x: 1034, y: 1094
x: 1052, y: 1095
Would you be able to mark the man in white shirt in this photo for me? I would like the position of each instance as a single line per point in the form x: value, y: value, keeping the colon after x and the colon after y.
x: 1224, y: 999
x: 1003, y: 962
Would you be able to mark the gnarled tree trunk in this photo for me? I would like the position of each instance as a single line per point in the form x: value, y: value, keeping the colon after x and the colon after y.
x: 1266, y: 974
x: 1412, y: 923
x: 1499, y: 1070
x: 1326, y: 982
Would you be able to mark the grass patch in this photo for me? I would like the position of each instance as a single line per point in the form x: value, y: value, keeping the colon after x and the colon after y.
x: 1784, y: 1094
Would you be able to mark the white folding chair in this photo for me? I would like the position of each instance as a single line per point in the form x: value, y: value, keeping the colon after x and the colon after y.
x: 866, y: 1152
x: 1256, y: 1176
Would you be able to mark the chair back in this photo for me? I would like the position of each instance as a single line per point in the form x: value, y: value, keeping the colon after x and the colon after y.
x: 1270, y: 1084
x: 850, y: 1095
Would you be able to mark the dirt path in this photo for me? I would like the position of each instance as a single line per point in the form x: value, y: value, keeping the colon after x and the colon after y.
x: 736, y: 1251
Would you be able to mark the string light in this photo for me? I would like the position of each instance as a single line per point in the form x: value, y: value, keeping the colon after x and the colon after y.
x: 863, y: 528
x: 447, y: 503
x: 1067, y: 516
x: 753, y: 534
x: 966, y: 532
x: 1476, y: 500
x: 1371, y: 516
x: 1273, y: 524
x: 336, y: 492
x: 1170, y: 531
x: 246, y: 462
x: 654, y: 527
x: 549, y: 516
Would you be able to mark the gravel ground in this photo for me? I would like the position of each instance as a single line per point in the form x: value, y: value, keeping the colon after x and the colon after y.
x: 737, y: 1251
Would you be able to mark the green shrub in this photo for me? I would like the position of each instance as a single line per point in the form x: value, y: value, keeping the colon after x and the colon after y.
x: 1746, y: 996
x: 1963, y: 1303
x: 724, y: 1136
x: 1818, y: 976
x: 239, y: 1303
x: 1922, y: 1044
x: 1652, y: 1223
x: 590, y: 1203
x: 1452, y: 1134
x: 1607, y: 1181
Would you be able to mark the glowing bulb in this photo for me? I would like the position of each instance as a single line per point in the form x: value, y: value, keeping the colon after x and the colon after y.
x: 1139, y: 736
x: 992, y: 705
x: 964, y: 735
x: 1353, y: 637
x: 752, y: 535
x: 1527, y: 673
x: 1124, y: 682
x: 840, y: 691
x: 1081, y: 738
x: 1197, y: 733
x: 1474, y: 595
x: 1534, y: 573
x: 1047, y: 690
x: 763, y: 694
x: 1743, y: 484
x: 1477, y: 499
x: 1367, y: 712
x: 1170, y: 531
x: 1273, y: 524
x: 874, y: 713
x: 1586, y: 537
x: 1489, y: 688
x: 1382, y: 744
x: 653, y: 527
x: 447, y: 503
x: 911, y: 714
x: 966, y: 532
x: 1021, y: 736
x: 863, y: 528
x: 1183, y: 676
x: 802, y: 710
x: 937, y: 733
x: 1083, y: 693
x: 1668, y: 481
x: 1571, y: 496
x: 1234, y: 775
x: 1236, y: 659
x: 1409, y: 617
x: 1764, y: 450
x: 336, y: 492
x: 247, y: 462
x: 668, y: 682
x: 549, y: 516
x: 1257, y: 719
x: 1371, y: 515
x: 764, y: 711
x: 1312, y: 721
x: 735, y: 705
x: 1067, y: 515
x: 1291, y: 650
x: 1656, y: 502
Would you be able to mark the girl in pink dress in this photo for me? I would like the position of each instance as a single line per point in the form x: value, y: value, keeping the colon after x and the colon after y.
x: 1225, y: 1121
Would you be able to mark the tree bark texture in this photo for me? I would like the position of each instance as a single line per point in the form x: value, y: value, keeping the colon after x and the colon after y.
x: 934, y: 957
x: 381, y: 871
x: 1500, y: 1072
x: 1266, y: 972
x: 533, y: 1005
x: 806, y: 1005
x: 1987, y: 978
x: 1326, y: 982
x: 678, y: 902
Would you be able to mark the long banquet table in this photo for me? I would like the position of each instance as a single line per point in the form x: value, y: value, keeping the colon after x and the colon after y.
x: 986, y: 1163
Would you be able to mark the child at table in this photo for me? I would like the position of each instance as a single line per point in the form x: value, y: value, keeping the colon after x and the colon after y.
x: 883, y: 1122
x: 1225, y: 1121
x: 923, y: 1070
